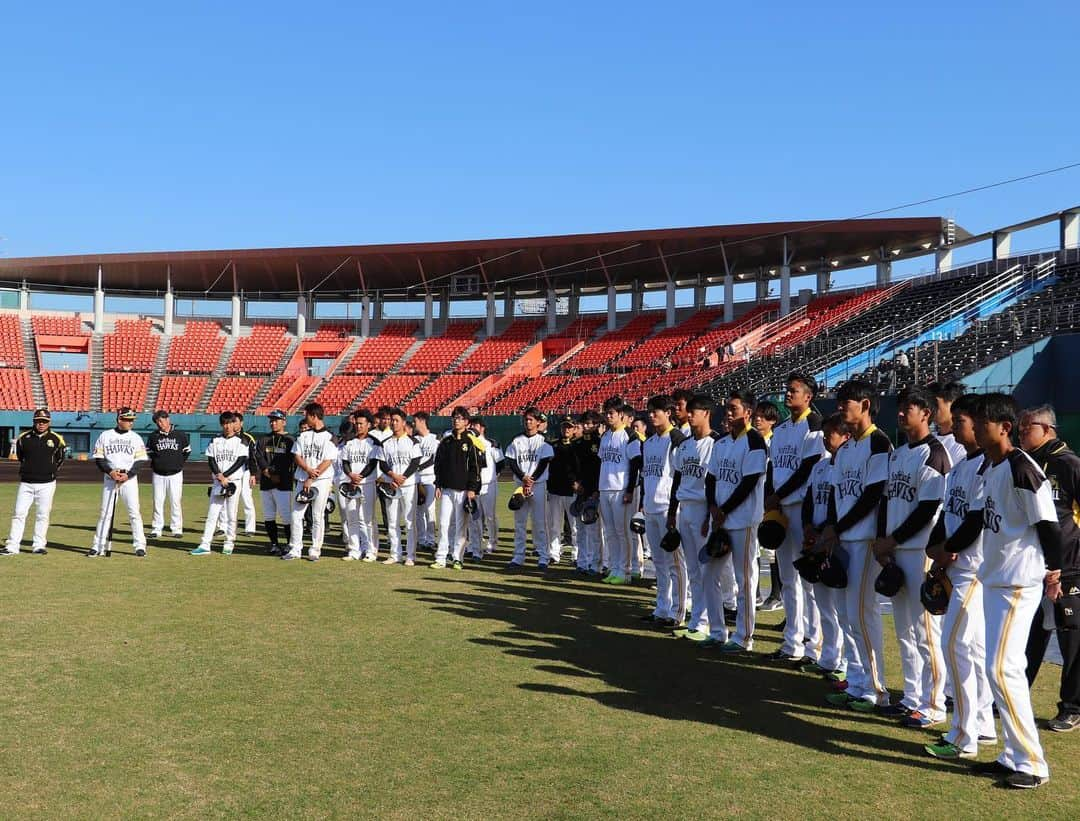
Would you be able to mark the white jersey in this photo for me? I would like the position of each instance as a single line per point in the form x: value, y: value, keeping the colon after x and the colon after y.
x: 227, y: 451
x: 1014, y: 497
x: 656, y: 470
x: 858, y: 464
x: 961, y: 489
x: 429, y: 443
x: 614, y: 467
x: 528, y: 452
x: 315, y: 447
x: 356, y: 454
x: 120, y: 449
x: 691, y: 461
x: 732, y: 459
x: 380, y: 434
x: 956, y: 451
x: 492, y: 456
x: 819, y: 489
x: 916, y: 474
x: 792, y: 441
x: 398, y: 452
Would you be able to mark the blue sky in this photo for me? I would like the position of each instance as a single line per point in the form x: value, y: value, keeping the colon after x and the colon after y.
x: 127, y: 127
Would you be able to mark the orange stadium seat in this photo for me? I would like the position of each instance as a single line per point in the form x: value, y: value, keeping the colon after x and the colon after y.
x: 378, y: 354
x: 496, y: 352
x: 530, y: 392
x: 234, y: 393
x: 393, y: 390
x: 180, y: 394
x: 67, y: 390
x: 608, y: 349
x: 197, y: 350
x: 12, y: 352
x: 15, y: 390
x: 54, y: 325
x: 260, y: 352
x: 132, y: 346
x: 120, y: 390
x: 439, y: 353
x: 341, y: 392
x: 441, y: 391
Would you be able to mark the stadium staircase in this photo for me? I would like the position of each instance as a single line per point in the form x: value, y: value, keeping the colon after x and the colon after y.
x: 37, y: 384
x: 97, y: 370
x: 216, y: 374
x: 156, y: 375
x: 316, y: 393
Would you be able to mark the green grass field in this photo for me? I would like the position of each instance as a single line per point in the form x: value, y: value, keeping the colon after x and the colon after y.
x: 244, y: 686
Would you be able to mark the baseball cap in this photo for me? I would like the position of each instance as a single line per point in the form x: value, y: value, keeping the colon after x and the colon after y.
x: 542, y: 417
x: 127, y: 414
x: 160, y: 414
x: 276, y: 414
x: 568, y: 422
x: 42, y: 413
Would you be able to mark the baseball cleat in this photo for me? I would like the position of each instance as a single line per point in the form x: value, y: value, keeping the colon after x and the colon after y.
x: 860, y: 705
x: 92, y: 554
x: 1024, y: 781
x: 780, y: 655
x: 140, y: 552
x: 839, y: 685
x: 770, y: 605
x: 458, y: 565
x: 991, y: 768
x: 439, y: 565
x: 919, y: 721
x: 695, y: 635
x: 155, y: 534
x: 897, y: 710
x: 200, y: 551
x: 948, y: 751
x: 409, y: 563
x: 1064, y: 722
x: 732, y: 648
x: 369, y: 558
x: 288, y: 556
x: 839, y: 699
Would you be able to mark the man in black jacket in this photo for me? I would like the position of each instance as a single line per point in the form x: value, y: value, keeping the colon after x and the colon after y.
x: 458, y: 460
x: 562, y: 474
x: 589, y: 552
x: 1038, y: 436
x: 40, y: 452
x: 168, y: 449
x: 273, y: 456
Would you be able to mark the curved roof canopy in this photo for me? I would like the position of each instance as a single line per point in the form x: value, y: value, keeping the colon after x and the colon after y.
x: 526, y: 264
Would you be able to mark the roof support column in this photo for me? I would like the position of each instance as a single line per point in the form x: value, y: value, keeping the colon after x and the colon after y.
x: 884, y: 272
x: 99, y: 305
x: 669, y: 305
x: 429, y: 311
x: 943, y: 259
x: 508, y: 304
x: 612, y: 316
x: 170, y: 306
x: 444, y: 306
x: 489, y: 326
x: 762, y: 287
x: 574, y: 302
x: 637, y: 298
x: 24, y: 298
x: 1070, y: 229
x: 822, y: 281
x: 235, y: 329
x: 552, y: 305
x: 1002, y: 244
x: 301, y: 313
x: 785, y: 281
x: 365, y: 316
x: 699, y: 296
x: 729, y: 298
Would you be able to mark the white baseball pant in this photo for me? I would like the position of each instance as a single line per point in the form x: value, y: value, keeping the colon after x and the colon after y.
x: 690, y: 517
x: 634, y: 551
x: 322, y: 488
x: 399, y: 513
x: 744, y: 549
x: 919, y: 636
x: 128, y: 493
x: 453, y: 525
x: 671, y: 580
x: 173, y: 487
x: 535, y: 508
x: 864, y: 624
x: 222, y: 510
x: 1009, y: 612
x: 486, y: 501
x: 558, y: 509
x: 613, y: 522
x: 244, y: 491
x: 425, y: 516
x: 30, y: 493
x: 791, y: 593
x: 963, y: 631
x: 589, y: 550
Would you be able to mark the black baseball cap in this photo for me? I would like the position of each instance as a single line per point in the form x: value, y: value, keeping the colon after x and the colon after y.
x: 42, y: 414
x: 160, y: 414
x: 127, y: 414
x: 276, y: 414
x: 568, y: 422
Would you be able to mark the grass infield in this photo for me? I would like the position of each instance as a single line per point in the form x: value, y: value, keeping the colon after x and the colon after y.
x: 244, y: 686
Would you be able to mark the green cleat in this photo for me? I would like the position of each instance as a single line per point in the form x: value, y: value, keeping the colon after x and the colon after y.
x: 616, y: 580
x: 836, y: 675
x: 200, y: 551
x: 457, y: 566
x: 696, y: 635
x: 860, y: 705
x: 947, y: 751
x: 731, y: 648
x: 839, y: 699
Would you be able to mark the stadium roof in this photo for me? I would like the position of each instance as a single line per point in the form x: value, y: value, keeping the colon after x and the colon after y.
x: 529, y: 263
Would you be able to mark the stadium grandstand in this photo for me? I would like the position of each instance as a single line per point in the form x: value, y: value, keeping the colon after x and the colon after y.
x: 497, y: 325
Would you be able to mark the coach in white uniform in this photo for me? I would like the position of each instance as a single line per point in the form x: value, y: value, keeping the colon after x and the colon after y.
x: 314, y: 453
x: 795, y: 448
x: 168, y: 449
x: 40, y: 452
x: 119, y: 453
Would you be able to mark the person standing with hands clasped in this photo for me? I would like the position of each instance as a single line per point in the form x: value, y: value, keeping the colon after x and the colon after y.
x: 40, y: 452
x: 168, y: 449
x: 314, y: 453
x: 458, y: 462
x: 119, y: 453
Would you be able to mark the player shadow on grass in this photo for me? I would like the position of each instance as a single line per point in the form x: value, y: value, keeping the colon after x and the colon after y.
x: 588, y: 634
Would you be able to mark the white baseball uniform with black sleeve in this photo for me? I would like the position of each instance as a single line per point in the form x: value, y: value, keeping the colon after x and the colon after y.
x: 314, y: 447
x: 425, y: 475
x: 530, y: 456
x: 795, y: 447
x: 123, y: 451
x: 1018, y: 520
x: 963, y: 627
x: 656, y: 477
x: 401, y: 454
x: 736, y: 477
x: 690, y: 463
x: 226, y: 455
x: 614, y: 476
x: 489, y: 486
x: 360, y: 456
x: 860, y: 472
x: 913, y: 495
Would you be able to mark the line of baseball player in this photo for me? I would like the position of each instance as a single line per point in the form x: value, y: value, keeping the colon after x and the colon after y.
x: 959, y: 530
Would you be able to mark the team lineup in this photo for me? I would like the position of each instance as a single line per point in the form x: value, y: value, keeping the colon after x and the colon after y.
x: 972, y: 539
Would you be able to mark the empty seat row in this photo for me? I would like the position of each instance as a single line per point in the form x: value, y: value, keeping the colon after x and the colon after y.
x: 67, y: 390
x: 120, y: 390
x: 57, y: 325
x: 181, y: 394
x: 261, y: 352
x: 12, y: 351
x: 197, y: 350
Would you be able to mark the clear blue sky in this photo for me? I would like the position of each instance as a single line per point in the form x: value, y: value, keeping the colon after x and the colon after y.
x: 129, y: 127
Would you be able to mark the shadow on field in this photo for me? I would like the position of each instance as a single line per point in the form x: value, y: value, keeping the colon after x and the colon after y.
x: 580, y: 631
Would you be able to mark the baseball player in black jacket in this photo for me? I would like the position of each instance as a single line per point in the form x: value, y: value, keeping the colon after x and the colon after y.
x: 40, y: 452
x: 458, y: 461
x: 168, y: 449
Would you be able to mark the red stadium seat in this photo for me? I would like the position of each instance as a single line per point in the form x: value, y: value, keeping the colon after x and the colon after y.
x: 181, y: 394
x: 197, y: 350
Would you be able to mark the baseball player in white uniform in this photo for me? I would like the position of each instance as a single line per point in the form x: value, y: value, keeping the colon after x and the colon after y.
x: 489, y: 491
x: 656, y: 476
x: 425, y: 477
x: 314, y: 453
x: 614, y: 481
x: 119, y: 453
x: 360, y: 457
x: 528, y: 457
x: 400, y: 463
x: 227, y: 457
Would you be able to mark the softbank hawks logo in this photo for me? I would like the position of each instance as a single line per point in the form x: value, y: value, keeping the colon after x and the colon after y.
x: 850, y: 484
x: 786, y: 458
x: 654, y: 466
x: 901, y: 486
x: 726, y: 471
x: 991, y: 518
x: 692, y: 467
x: 611, y: 454
x: 956, y: 504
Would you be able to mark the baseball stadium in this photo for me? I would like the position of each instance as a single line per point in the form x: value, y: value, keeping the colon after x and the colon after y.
x: 374, y: 442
